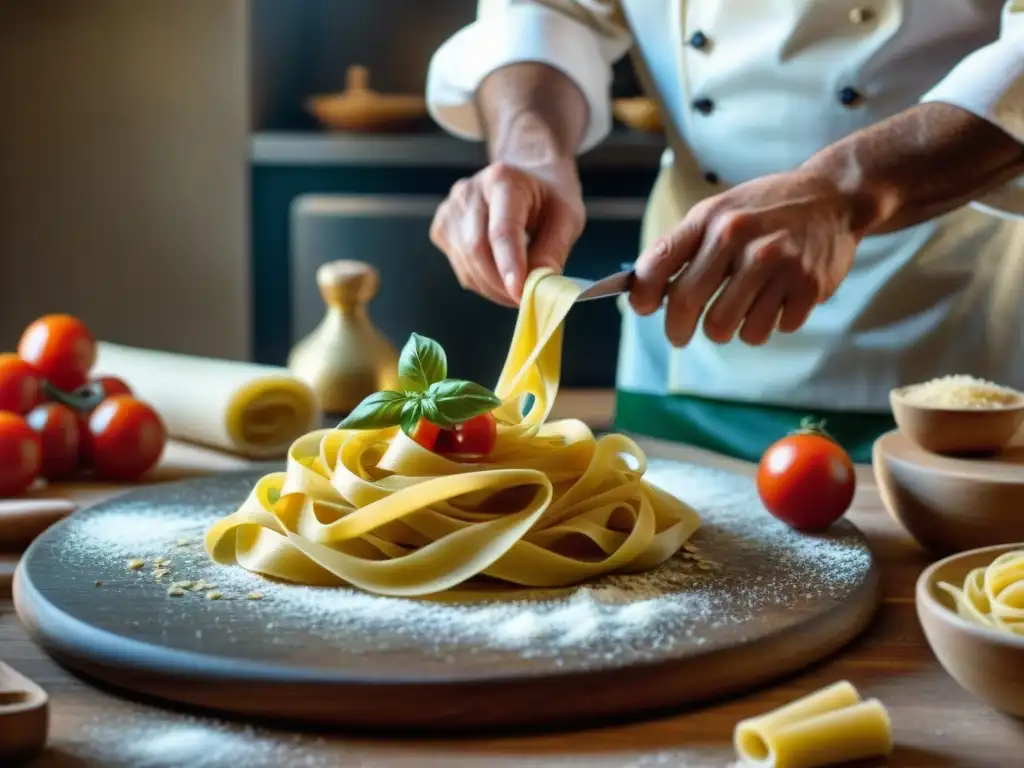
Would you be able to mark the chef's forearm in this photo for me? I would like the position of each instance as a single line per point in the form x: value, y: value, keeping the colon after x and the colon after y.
x: 921, y: 163
x: 532, y: 114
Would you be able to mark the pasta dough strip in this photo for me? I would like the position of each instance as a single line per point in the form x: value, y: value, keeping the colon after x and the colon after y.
x: 552, y: 505
x: 993, y: 596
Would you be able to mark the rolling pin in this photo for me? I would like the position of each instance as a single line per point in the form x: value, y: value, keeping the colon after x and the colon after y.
x: 21, y: 520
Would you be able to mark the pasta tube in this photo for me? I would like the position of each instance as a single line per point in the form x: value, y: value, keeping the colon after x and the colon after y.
x: 827, y: 727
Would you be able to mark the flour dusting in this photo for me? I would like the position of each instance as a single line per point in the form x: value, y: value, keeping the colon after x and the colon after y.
x: 740, y: 565
x: 169, y: 740
x: 141, y: 739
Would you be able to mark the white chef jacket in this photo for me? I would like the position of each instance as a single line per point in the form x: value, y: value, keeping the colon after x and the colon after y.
x: 754, y: 87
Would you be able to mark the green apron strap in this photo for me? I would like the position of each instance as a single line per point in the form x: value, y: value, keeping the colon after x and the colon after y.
x: 740, y: 430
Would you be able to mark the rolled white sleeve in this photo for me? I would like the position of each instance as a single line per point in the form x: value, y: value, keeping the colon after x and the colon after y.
x: 509, y: 32
x: 990, y: 83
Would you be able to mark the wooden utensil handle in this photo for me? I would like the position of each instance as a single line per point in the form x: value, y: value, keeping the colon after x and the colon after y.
x: 357, y: 78
x: 347, y: 281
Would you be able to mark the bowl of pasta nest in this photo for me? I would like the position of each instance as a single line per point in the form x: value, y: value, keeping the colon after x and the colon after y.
x: 971, y: 608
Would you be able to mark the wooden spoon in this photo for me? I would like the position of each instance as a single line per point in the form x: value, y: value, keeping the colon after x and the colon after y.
x: 24, y: 717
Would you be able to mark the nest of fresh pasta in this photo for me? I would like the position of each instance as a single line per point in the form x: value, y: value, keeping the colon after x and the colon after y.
x: 445, y: 484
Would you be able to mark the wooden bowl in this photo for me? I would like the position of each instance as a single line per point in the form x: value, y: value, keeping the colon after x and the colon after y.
x: 639, y: 112
x: 987, y: 663
x: 951, y: 504
x: 24, y: 717
x: 957, y: 431
x: 359, y: 108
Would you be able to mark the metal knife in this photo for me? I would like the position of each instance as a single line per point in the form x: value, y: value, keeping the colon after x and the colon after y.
x: 613, y: 285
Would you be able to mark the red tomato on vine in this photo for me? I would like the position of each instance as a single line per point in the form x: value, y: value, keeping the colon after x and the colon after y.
x: 61, y: 348
x: 806, y: 479
x: 21, y: 454
x: 59, y: 432
x: 21, y: 385
x: 126, y: 438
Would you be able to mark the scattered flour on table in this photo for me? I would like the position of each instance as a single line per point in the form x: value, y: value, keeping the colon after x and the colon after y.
x: 168, y: 740
x: 171, y: 740
x: 740, y: 563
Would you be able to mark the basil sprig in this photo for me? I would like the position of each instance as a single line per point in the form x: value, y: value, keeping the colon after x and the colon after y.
x: 422, y: 363
x: 427, y: 393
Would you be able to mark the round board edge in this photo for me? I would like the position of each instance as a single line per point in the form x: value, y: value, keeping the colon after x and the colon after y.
x: 24, y: 598
x: 556, y: 700
x: 245, y: 689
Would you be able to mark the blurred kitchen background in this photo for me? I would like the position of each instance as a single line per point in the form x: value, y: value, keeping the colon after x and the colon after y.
x: 163, y: 180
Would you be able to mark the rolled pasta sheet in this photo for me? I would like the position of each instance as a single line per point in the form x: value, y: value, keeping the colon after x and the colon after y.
x: 828, y: 727
x: 256, y: 411
x: 993, y: 596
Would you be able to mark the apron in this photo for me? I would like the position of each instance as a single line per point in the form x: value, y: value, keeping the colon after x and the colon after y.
x: 942, y: 297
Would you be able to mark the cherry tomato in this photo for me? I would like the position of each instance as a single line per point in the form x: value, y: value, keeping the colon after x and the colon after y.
x: 84, y: 440
x: 62, y: 348
x: 106, y: 386
x: 21, y: 386
x: 426, y: 433
x: 127, y: 438
x: 21, y: 454
x: 112, y: 386
x: 58, y: 430
x: 806, y: 479
x: 475, y: 437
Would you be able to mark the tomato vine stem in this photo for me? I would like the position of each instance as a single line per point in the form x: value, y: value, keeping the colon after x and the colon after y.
x: 83, y: 399
x: 811, y: 426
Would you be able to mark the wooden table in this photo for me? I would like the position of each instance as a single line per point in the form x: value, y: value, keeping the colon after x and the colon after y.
x: 936, y: 723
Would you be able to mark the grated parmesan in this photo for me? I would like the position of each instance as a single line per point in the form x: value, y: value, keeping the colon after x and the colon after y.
x: 961, y: 392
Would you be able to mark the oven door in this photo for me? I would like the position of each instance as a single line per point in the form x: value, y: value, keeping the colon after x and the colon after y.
x: 419, y: 292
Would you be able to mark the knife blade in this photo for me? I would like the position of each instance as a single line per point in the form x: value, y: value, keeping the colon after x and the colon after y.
x: 612, y: 285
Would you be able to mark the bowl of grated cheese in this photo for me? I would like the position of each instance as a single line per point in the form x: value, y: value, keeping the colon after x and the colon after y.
x: 958, y: 415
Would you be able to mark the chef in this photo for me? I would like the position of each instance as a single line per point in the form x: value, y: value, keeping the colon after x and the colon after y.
x: 841, y: 210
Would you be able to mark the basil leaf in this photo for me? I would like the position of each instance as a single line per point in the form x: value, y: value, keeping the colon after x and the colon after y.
x: 457, y: 401
x: 429, y: 409
x: 422, y: 363
x: 379, y: 410
x: 411, y: 414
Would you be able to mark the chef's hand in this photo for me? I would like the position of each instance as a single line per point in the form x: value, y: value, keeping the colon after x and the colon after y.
x: 507, y: 220
x: 781, y: 244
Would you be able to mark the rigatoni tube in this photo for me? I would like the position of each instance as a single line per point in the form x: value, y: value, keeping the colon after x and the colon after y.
x: 830, y: 726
